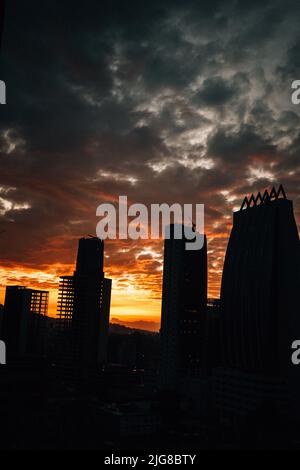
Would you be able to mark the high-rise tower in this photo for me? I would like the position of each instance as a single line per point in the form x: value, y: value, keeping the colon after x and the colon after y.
x: 184, y: 298
x: 260, y: 315
x: 84, y: 305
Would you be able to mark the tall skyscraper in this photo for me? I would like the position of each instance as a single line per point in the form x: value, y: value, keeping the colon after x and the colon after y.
x: 84, y: 305
x: 259, y: 299
x: 184, y: 298
x: 25, y: 312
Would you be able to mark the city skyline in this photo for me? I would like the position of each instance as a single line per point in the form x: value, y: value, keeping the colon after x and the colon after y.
x: 165, y: 103
x: 220, y: 372
x: 151, y: 322
x: 148, y: 322
x: 149, y: 228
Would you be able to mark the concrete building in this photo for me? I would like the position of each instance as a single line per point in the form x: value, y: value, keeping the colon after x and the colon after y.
x: 259, y: 306
x: 24, y: 321
x: 184, y: 299
x: 84, y: 306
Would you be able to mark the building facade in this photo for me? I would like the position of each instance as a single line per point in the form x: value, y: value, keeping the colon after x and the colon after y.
x: 259, y: 305
x: 24, y: 322
x: 84, y: 306
x: 184, y: 299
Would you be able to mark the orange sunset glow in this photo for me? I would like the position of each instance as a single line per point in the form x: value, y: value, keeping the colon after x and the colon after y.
x: 136, y: 295
x: 135, y: 268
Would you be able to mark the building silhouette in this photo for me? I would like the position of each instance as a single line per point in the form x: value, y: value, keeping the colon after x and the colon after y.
x: 260, y: 307
x: 211, y: 342
x: 84, y: 306
x: 24, y: 321
x: 184, y: 298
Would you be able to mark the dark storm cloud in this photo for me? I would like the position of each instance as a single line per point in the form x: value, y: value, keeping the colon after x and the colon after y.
x: 290, y: 69
x: 175, y: 101
x: 239, y: 146
x: 216, y: 91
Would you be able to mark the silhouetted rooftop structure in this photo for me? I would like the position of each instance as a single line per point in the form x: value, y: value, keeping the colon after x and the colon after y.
x: 259, y: 199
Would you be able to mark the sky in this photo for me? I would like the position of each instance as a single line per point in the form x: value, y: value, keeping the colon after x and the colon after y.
x: 162, y: 101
